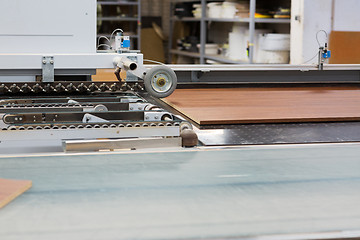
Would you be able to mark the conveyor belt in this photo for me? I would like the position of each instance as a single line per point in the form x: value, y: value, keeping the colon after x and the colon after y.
x: 280, y: 133
x: 208, y: 194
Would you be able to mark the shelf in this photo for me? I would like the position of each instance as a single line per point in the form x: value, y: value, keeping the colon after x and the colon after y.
x: 115, y: 3
x: 130, y: 16
x: 245, y: 20
x: 120, y: 19
x: 227, y: 19
x: 218, y: 58
x: 257, y: 20
x: 186, y: 19
x: 272, y: 20
x: 204, y: 28
x: 223, y: 59
x: 181, y: 1
x: 185, y: 53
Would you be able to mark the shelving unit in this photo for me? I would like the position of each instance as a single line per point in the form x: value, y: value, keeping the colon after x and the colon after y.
x: 132, y: 20
x: 203, y: 31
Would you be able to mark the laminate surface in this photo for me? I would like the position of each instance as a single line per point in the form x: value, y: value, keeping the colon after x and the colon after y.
x: 196, y: 194
x: 10, y: 189
x: 267, y: 105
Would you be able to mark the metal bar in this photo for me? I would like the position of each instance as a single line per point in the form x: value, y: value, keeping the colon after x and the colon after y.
x: 139, y: 24
x: 116, y: 3
x: 170, y: 39
x: 136, y: 143
x: 260, y: 67
x: 252, y: 30
x: 203, y: 31
x: 64, y: 61
x: 71, y: 117
x: 88, y: 131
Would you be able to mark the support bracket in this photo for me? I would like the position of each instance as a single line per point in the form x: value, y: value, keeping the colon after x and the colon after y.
x: 48, y: 72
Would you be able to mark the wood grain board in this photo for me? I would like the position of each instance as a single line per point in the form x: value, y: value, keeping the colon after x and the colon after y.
x: 267, y: 105
x: 10, y: 189
x: 107, y: 75
x: 345, y: 48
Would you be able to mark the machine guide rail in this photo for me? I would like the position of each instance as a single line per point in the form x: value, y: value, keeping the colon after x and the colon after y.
x: 81, y: 117
x: 80, y: 126
x: 63, y: 87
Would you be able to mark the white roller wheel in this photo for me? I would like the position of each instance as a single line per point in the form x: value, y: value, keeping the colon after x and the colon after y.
x: 160, y: 81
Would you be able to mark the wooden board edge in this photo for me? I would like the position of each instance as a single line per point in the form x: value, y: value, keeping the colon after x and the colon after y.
x: 285, y: 120
x: 20, y: 191
x: 197, y: 121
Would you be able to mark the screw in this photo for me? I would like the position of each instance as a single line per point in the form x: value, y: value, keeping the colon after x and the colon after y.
x: 52, y: 61
x: 44, y: 61
x: 147, y: 118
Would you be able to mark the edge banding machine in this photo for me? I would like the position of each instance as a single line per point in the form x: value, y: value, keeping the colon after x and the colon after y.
x: 47, y: 99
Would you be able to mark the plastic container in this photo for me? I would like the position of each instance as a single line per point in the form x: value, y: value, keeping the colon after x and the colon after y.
x: 197, y: 12
x: 215, y: 10
x: 274, y: 48
x: 229, y: 10
x: 210, y: 48
x: 275, y: 42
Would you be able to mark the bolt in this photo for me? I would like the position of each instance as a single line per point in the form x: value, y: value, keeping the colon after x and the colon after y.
x: 44, y: 61
x: 52, y: 61
x: 147, y: 118
x: 156, y: 117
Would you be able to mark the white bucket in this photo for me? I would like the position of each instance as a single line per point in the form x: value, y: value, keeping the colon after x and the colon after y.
x: 238, y: 43
x: 257, y: 44
x: 275, y: 42
x: 274, y: 48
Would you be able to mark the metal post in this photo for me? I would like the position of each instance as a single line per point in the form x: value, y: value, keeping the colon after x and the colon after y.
x: 202, y: 31
x: 170, y: 38
x: 139, y: 25
x: 252, y: 30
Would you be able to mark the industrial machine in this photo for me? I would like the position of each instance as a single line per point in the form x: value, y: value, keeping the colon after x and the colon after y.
x: 46, y: 63
x: 49, y: 104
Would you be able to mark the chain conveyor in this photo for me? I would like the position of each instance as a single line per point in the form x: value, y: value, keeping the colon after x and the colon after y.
x: 64, y: 117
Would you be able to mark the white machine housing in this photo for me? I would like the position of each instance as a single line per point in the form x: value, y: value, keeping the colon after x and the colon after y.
x: 64, y: 31
x: 48, y: 26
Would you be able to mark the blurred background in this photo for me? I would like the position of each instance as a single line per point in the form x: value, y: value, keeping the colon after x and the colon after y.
x: 224, y: 32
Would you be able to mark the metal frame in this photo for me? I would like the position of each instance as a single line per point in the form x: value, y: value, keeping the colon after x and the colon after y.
x: 63, y: 64
x: 267, y: 73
